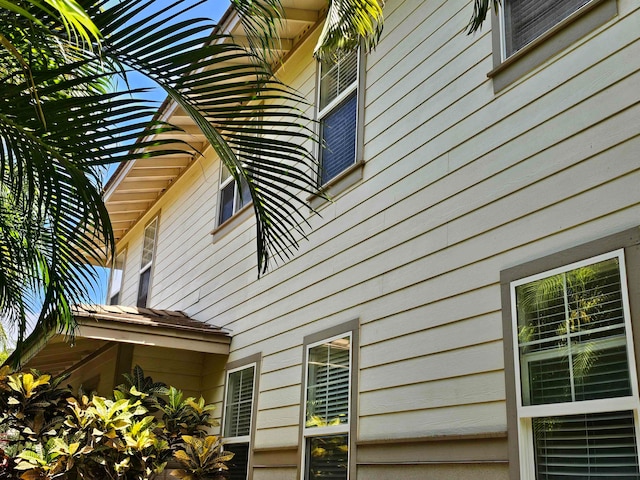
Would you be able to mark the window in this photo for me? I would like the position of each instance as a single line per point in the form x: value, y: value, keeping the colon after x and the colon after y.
x: 524, y: 20
x: 527, y: 33
x: 148, y: 255
x: 116, y: 279
x: 326, y: 430
x: 237, y: 419
x: 338, y: 113
x: 576, y: 393
x: 232, y: 199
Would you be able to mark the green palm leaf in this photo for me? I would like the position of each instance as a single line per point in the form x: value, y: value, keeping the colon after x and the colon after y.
x: 350, y: 23
x: 480, y: 11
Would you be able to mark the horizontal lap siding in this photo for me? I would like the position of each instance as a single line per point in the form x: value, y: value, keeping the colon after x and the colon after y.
x: 458, y: 185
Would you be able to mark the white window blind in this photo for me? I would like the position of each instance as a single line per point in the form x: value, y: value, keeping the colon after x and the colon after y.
x: 237, y: 419
x: 573, y: 339
x: 337, y: 76
x: 526, y: 20
x: 588, y: 446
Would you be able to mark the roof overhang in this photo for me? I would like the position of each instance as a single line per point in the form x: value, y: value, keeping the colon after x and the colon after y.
x: 101, y: 327
x: 137, y: 185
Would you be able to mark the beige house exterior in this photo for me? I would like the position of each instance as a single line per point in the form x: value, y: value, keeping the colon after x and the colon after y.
x: 478, y: 168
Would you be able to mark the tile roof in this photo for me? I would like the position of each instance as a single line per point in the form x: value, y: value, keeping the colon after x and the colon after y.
x: 145, y: 316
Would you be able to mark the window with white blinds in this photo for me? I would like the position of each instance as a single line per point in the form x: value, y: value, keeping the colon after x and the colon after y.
x: 526, y: 20
x: 578, y: 397
x: 328, y: 384
x: 148, y: 256
x: 239, y: 403
x: 326, y: 428
x: 337, y: 112
x: 588, y: 446
x: 237, y: 419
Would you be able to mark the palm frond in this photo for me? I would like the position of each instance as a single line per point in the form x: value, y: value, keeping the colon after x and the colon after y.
x: 349, y: 24
x: 480, y: 11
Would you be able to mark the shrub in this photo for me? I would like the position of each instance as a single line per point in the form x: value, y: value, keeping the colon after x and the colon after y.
x: 48, y: 432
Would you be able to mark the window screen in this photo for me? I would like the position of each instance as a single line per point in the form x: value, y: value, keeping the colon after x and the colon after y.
x: 232, y: 199
x: 526, y: 20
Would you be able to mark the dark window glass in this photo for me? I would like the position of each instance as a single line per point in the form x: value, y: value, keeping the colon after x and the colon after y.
x: 143, y: 288
x: 239, y: 464
x: 339, y: 139
x: 327, y: 457
x: 226, y: 202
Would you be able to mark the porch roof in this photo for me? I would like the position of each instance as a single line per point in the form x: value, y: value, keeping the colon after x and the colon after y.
x: 101, y: 326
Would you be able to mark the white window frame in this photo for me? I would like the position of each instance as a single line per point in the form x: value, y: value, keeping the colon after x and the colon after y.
x: 236, y: 196
x: 341, y: 429
x: 333, y: 105
x: 243, y: 439
x: 525, y: 414
x: 116, y: 288
x: 144, y: 267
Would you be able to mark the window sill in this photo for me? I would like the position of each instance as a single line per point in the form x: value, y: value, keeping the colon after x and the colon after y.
x: 236, y: 219
x: 337, y: 185
x: 556, y: 39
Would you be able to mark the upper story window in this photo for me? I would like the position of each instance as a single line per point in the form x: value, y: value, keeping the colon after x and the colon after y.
x: 232, y: 198
x: 338, y: 114
x: 528, y: 33
x: 116, y: 279
x: 148, y: 257
x: 526, y: 20
x: 238, y: 412
x: 575, y: 376
x: 327, y: 409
